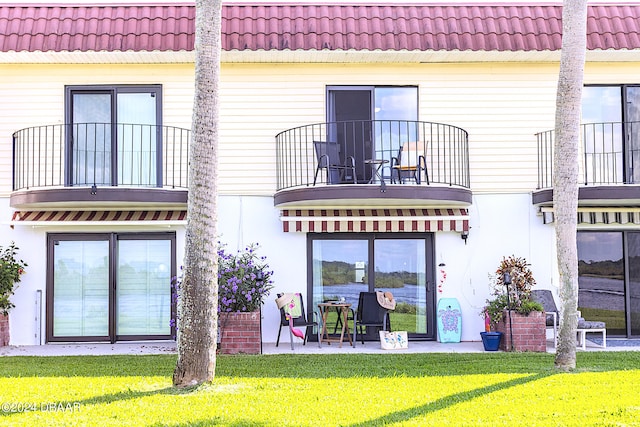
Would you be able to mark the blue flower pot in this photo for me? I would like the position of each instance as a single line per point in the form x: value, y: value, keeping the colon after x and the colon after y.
x: 491, y: 340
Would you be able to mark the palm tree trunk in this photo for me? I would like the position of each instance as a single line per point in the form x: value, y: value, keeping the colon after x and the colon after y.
x: 565, y: 173
x: 198, y: 295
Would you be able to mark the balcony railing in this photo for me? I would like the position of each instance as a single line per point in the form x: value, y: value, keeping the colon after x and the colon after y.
x: 100, y: 154
x: 609, y: 153
x: 444, y: 149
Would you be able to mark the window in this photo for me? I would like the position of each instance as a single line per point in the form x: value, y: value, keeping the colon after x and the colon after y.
x: 108, y: 287
x: 114, y: 135
x: 342, y: 265
x: 611, y: 134
x: 609, y: 279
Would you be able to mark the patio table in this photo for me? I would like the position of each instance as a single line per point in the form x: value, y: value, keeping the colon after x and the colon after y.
x: 343, y: 310
x: 376, y: 165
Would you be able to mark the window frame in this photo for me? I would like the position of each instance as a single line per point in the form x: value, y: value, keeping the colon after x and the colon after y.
x: 113, y: 91
x: 430, y: 269
x: 113, y: 239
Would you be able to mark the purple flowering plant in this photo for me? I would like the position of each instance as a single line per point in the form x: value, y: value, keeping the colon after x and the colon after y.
x: 244, y: 279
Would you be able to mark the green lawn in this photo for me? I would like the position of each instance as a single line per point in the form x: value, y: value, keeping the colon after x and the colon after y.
x: 493, y: 389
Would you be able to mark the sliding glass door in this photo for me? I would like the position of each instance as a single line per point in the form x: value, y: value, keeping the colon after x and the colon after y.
x: 400, y: 268
x: 143, y: 297
x: 108, y: 287
x: 371, y: 122
x: 343, y: 265
x: 81, y: 288
x: 115, y: 135
x: 609, y: 280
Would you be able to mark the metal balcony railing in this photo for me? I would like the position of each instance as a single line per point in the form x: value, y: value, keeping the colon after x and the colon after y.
x: 443, y: 149
x: 100, y: 154
x: 608, y: 154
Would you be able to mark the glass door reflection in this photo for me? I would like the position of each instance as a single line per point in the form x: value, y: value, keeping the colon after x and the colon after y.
x: 339, y: 271
x: 400, y: 268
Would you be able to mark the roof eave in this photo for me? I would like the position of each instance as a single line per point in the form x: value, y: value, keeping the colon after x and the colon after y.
x: 309, y: 56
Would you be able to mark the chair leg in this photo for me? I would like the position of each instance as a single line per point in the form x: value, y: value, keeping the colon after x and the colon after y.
x: 316, y: 176
x: 278, y: 339
x: 355, y: 334
x: 291, y: 337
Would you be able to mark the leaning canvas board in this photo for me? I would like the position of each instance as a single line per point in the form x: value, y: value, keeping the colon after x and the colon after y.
x: 449, y: 317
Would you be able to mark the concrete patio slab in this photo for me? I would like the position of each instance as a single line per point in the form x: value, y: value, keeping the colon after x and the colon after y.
x: 169, y: 347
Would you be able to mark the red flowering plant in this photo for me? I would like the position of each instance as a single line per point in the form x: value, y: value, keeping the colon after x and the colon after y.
x: 10, y: 271
x: 516, y: 296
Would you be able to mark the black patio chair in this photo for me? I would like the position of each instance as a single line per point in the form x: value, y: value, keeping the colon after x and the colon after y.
x: 369, y: 314
x: 328, y: 156
x: 545, y: 298
x: 299, y: 322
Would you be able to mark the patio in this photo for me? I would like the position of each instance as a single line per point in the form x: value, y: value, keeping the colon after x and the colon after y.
x: 163, y: 347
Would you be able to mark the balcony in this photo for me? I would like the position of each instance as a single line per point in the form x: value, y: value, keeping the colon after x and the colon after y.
x: 100, y: 166
x: 379, y: 176
x: 608, y: 155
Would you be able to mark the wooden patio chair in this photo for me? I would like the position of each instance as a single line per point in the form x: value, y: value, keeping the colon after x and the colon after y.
x: 410, y: 163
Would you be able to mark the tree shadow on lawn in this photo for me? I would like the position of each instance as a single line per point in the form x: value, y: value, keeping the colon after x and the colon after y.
x: 448, y: 401
x: 393, y: 417
x: 71, y: 405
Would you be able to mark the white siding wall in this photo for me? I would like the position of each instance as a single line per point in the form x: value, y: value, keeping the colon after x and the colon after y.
x: 501, y: 105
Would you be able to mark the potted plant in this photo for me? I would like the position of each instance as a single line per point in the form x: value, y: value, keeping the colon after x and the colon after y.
x: 511, y: 302
x: 11, y: 269
x: 244, y: 281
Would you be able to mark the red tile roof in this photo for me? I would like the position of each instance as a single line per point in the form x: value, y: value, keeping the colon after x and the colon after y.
x: 260, y: 26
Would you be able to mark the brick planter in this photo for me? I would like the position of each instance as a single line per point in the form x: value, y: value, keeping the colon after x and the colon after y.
x: 529, y: 331
x: 4, y: 330
x: 240, y: 333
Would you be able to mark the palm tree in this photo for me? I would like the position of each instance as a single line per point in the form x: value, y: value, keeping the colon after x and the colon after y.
x: 565, y: 172
x: 198, y: 294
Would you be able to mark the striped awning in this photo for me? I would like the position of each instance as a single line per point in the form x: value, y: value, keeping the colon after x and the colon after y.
x: 599, y: 215
x: 374, y: 220
x: 91, y: 217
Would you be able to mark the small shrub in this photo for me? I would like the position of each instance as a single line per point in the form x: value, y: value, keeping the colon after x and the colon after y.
x: 10, y: 271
